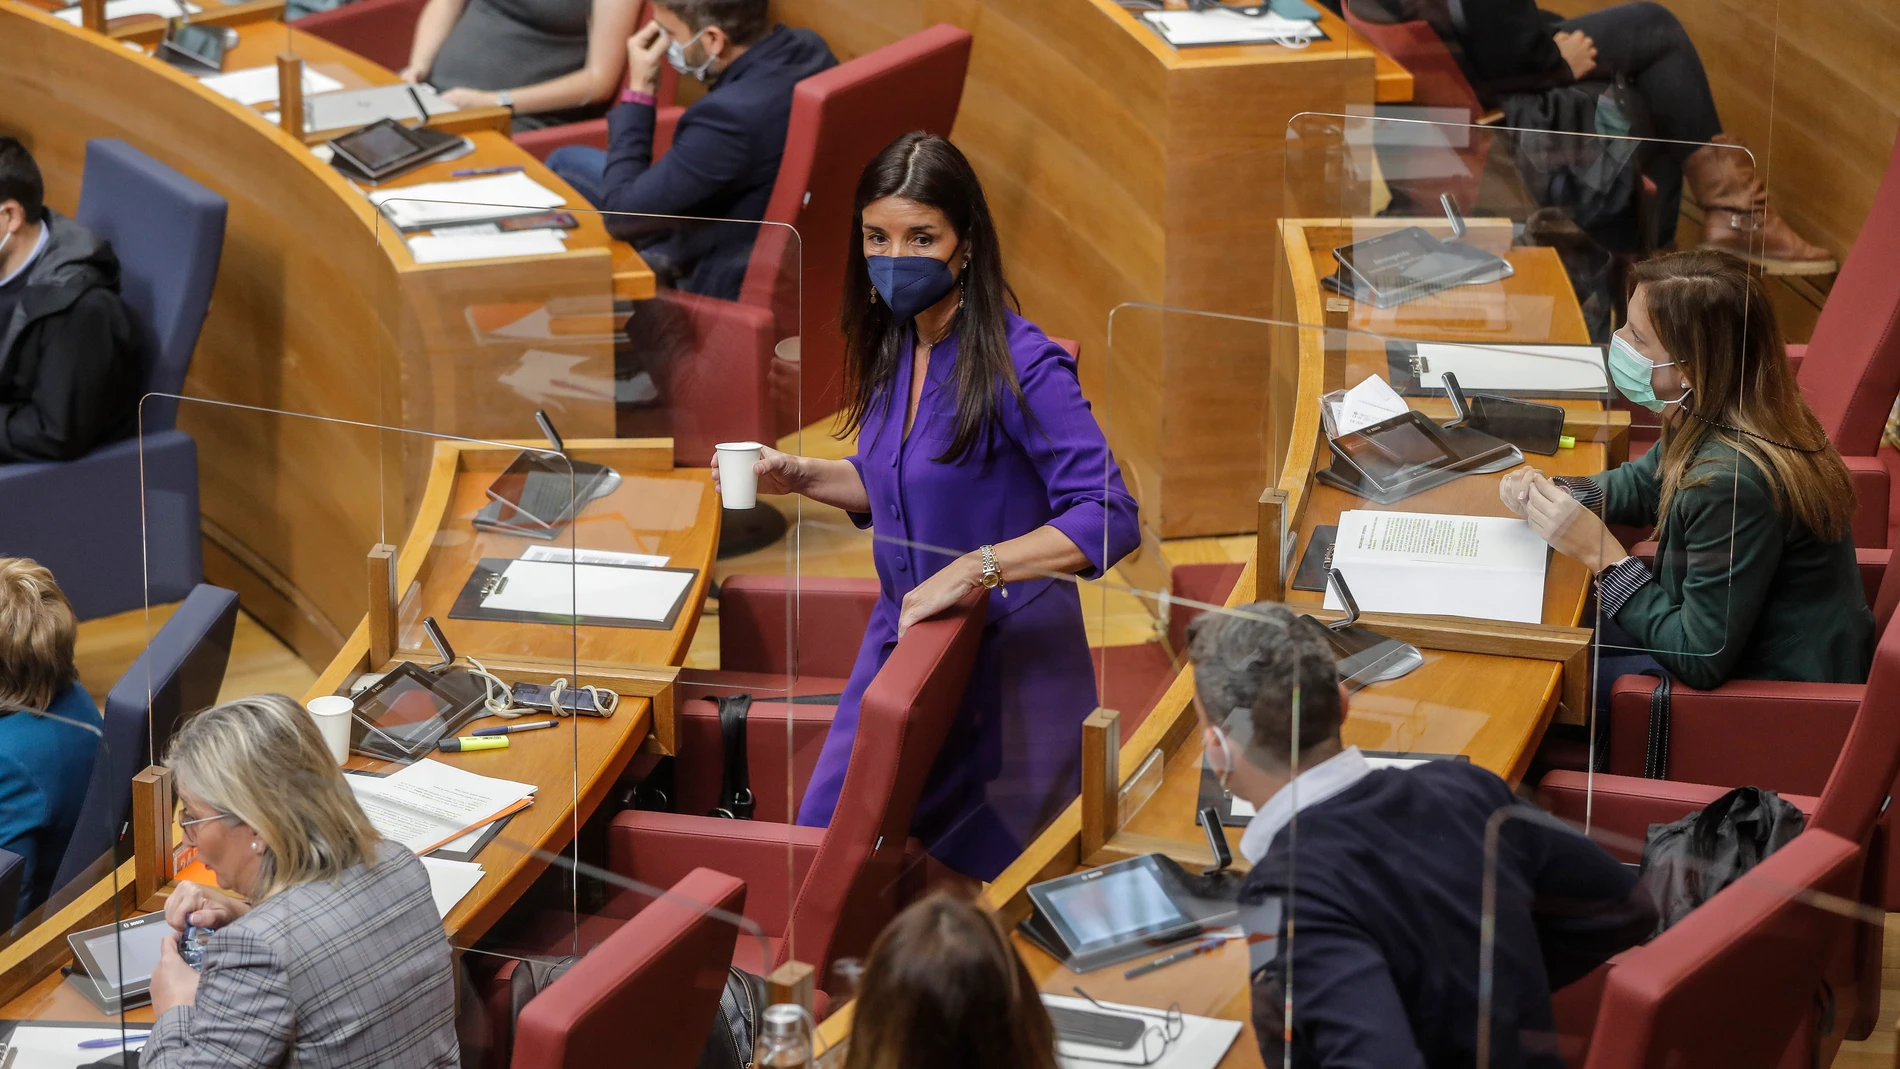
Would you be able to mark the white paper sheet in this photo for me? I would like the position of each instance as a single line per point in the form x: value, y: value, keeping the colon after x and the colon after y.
x: 450, y: 881
x: 437, y: 249
x: 255, y: 85
x: 564, y: 555
x: 1487, y: 567
x: 119, y: 9
x: 465, y: 200
x: 429, y: 802
x: 613, y: 593
x: 1552, y: 368
x: 1203, y: 1043
x: 1227, y: 27
x: 1372, y: 401
x: 48, y: 1047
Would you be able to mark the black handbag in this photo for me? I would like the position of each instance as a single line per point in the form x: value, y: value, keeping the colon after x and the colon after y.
x: 735, y: 783
x: 737, y: 1026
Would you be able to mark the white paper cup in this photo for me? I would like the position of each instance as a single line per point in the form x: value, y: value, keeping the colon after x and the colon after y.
x: 738, y: 483
x: 332, y: 714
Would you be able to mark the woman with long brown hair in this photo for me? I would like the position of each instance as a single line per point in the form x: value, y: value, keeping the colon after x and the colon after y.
x: 1755, y: 573
x: 978, y: 465
x: 943, y: 989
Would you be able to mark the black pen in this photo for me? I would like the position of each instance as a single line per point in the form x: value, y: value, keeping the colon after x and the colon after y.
x: 1205, y: 946
x: 510, y: 729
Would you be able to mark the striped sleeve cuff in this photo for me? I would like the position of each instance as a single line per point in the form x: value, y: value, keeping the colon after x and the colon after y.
x: 1584, y: 489
x: 1619, y: 582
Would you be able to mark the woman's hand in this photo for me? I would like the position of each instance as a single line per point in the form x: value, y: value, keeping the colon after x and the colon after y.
x: 1578, y: 50
x: 1515, y: 487
x: 463, y: 97
x: 413, y: 73
x: 779, y: 473
x: 173, y: 982
x: 646, y: 49
x: 1570, y: 528
x: 940, y: 591
x: 206, y: 907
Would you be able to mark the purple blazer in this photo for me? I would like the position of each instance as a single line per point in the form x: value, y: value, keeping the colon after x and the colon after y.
x: 1013, y: 758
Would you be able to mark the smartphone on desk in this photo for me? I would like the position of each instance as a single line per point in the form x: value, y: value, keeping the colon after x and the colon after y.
x: 539, y: 221
x: 540, y: 696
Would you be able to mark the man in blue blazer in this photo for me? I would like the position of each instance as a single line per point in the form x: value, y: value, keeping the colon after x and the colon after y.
x: 49, y: 726
x: 726, y: 149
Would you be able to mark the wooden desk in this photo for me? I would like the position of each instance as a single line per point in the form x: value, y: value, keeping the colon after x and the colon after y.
x: 656, y: 509
x: 318, y: 309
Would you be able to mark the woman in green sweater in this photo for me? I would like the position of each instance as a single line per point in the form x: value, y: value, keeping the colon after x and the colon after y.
x: 1755, y: 574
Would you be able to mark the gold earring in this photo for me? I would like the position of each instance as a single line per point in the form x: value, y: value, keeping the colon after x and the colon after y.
x: 873, y: 294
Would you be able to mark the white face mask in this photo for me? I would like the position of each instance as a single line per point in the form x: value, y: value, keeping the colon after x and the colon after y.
x: 676, y: 55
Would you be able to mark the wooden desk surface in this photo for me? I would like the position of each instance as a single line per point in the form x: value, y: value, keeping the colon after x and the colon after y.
x: 656, y: 509
x: 1393, y: 81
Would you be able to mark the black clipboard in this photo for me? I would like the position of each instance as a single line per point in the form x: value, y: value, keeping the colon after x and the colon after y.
x: 468, y: 604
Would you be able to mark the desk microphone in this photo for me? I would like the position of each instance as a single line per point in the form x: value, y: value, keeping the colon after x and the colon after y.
x: 547, y: 429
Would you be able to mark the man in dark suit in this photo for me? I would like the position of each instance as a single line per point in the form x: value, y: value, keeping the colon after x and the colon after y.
x: 725, y: 153
x: 70, y: 376
x: 1380, y: 883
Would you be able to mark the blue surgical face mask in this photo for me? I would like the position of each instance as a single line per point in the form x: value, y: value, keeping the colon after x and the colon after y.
x: 676, y: 55
x: 910, y: 284
x: 1630, y: 370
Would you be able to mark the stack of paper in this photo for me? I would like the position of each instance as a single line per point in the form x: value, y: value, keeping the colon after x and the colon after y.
x: 57, y: 1045
x: 1372, y: 401
x: 119, y: 9
x: 1487, y: 567
x: 429, y: 803
x: 255, y: 85
x: 465, y: 201
x: 451, y: 881
x: 439, y: 248
x: 1180, y: 28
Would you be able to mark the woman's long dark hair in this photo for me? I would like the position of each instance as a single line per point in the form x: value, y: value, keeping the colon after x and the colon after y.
x: 930, y: 171
x: 943, y: 989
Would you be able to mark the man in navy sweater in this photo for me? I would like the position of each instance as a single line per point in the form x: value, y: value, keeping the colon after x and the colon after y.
x: 726, y: 149
x: 1381, y: 873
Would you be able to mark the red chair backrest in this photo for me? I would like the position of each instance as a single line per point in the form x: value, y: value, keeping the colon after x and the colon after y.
x: 381, y: 31
x: 841, y: 119
x: 1852, y: 368
x: 903, y: 718
x: 655, y: 982
x: 1870, y: 758
x: 1437, y: 80
x: 1730, y: 983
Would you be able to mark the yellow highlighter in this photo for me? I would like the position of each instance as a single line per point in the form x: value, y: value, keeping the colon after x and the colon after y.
x: 468, y: 742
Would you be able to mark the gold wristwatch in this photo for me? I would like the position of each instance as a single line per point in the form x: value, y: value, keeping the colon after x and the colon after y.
x: 992, y: 575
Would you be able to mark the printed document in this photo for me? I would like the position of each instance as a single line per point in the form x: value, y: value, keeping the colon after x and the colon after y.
x: 450, y: 881
x: 1487, y: 567
x: 560, y: 589
x: 1521, y: 368
x: 430, y: 803
x: 437, y: 249
x: 1372, y: 401
x: 465, y: 200
x: 1180, y: 28
x: 255, y: 85
x: 119, y: 9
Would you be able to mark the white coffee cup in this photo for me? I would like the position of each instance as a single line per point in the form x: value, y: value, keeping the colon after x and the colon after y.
x: 332, y: 714
x: 738, y: 483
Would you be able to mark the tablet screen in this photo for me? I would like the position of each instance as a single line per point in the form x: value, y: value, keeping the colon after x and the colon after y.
x: 379, y: 145
x: 1392, y: 454
x: 1115, y: 907
x: 134, y: 957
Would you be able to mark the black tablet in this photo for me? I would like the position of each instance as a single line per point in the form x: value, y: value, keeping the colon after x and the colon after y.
x: 1397, y: 451
x: 1127, y: 903
x: 385, y: 149
x: 194, y: 48
x: 541, y: 488
x: 402, y: 715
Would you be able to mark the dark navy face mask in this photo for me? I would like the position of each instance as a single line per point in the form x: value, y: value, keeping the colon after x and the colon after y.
x: 910, y: 284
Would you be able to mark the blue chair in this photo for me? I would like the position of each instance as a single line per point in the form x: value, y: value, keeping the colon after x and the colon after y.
x: 181, y: 672
x: 12, y: 872
x: 83, y: 519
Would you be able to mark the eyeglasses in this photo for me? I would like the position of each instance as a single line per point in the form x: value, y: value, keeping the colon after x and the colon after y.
x: 187, y: 825
x: 1156, y: 1040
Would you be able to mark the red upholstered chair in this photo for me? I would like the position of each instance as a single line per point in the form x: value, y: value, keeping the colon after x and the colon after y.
x: 1729, y: 984
x: 657, y: 976
x: 381, y: 31
x: 840, y: 120
x: 1839, y: 742
x: 1133, y: 678
x: 851, y: 877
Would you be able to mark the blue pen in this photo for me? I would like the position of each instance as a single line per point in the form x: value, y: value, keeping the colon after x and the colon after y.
x: 100, y: 1044
x: 470, y: 172
x: 510, y: 729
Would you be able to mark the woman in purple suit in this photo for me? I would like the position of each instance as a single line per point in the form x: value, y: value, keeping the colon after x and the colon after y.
x: 979, y: 465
